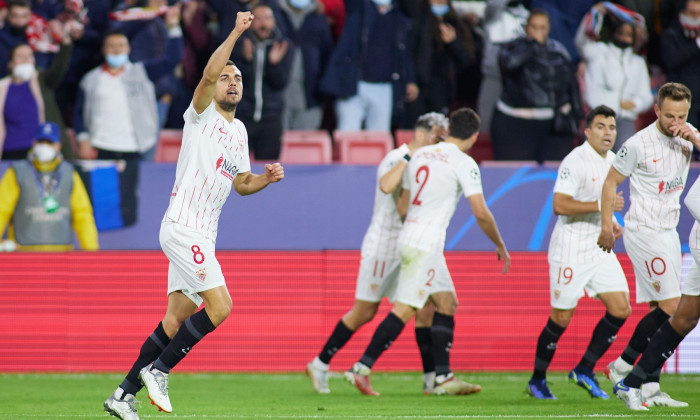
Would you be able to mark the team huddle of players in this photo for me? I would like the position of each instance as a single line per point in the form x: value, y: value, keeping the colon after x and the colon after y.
x: 418, y: 186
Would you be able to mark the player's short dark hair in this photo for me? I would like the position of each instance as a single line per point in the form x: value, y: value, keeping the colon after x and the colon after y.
x: 602, y: 110
x: 674, y: 92
x: 464, y: 123
x: 113, y: 32
x: 18, y: 3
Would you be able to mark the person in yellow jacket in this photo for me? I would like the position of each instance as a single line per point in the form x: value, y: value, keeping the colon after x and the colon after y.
x: 44, y: 199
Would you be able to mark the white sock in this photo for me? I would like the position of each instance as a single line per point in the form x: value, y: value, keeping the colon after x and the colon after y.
x: 620, y: 364
x: 429, y: 379
x: 317, y: 363
x: 122, y: 395
x: 650, y: 388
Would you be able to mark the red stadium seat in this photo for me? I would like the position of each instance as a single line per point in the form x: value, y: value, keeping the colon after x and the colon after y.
x: 363, y: 147
x: 403, y: 137
x: 169, y: 143
x: 306, y: 146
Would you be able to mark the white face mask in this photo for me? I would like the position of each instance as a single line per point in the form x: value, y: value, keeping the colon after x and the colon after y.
x: 44, y: 152
x: 23, y: 71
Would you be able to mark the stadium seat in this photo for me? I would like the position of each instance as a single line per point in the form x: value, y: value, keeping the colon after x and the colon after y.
x: 362, y: 147
x: 306, y: 146
x: 169, y: 143
x: 403, y: 137
x: 482, y: 149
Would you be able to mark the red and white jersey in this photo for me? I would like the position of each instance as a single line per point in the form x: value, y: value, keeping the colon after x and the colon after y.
x: 581, y: 175
x: 383, y: 230
x: 213, y: 152
x: 436, y: 176
x: 658, y: 169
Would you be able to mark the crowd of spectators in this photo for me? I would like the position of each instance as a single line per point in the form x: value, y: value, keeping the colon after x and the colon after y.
x: 531, y: 67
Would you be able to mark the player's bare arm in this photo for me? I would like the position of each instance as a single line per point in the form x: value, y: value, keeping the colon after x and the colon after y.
x: 485, y: 220
x: 565, y: 205
x: 606, y: 239
x: 204, y: 93
x: 391, y: 180
x: 248, y: 183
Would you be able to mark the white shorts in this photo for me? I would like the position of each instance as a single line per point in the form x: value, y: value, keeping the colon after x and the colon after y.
x: 656, y: 258
x: 567, y: 282
x: 377, y: 278
x: 691, y: 286
x: 422, y: 274
x: 193, y: 266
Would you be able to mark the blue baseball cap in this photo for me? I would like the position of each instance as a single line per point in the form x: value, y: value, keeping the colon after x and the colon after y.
x: 49, y: 131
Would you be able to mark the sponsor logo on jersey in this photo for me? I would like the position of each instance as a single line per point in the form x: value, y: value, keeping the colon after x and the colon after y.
x: 201, y: 274
x: 675, y: 184
x: 228, y: 169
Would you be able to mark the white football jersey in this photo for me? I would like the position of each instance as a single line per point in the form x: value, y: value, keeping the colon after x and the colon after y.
x: 436, y: 176
x: 581, y: 175
x: 658, y: 168
x: 383, y: 230
x: 213, y: 152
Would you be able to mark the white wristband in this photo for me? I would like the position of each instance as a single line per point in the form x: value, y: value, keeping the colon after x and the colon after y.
x: 599, y: 206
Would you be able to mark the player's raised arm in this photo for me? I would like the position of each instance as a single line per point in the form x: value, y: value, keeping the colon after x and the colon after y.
x: 204, y: 93
x: 606, y: 240
x: 488, y: 225
x: 248, y: 183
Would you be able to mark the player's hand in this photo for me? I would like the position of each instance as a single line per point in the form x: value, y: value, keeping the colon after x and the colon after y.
x: 617, y: 231
x: 243, y: 21
x: 277, y: 52
x: 274, y: 172
x: 502, y: 254
x: 86, y: 151
x: 606, y: 240
x: 619, y: 201
x: 685, y: 132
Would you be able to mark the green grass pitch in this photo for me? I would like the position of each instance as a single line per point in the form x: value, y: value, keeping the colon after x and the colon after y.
x: 289, y: 396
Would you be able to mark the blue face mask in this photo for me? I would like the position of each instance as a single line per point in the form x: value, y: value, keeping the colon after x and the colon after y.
x: 116, y: 60
x: 382, y: 2
x: 300, y: 4
x: 439, y: 9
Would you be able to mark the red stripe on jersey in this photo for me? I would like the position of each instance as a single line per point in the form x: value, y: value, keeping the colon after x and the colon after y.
x: 187, y: 221
x: 202, y: 190
x: 182, y: 205
x: 204, y: 128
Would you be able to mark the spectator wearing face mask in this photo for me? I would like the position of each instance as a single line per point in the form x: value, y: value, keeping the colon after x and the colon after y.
x: 27, y: 98
x: 615, y: 75
x: 43, y: 199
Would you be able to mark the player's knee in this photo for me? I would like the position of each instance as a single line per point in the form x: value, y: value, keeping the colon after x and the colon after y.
x: 622, y: 311
x: 683, y: 325
x: 219, y: 311
x: 171, y: 325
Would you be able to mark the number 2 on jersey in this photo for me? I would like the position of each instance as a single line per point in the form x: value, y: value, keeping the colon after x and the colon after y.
x: 425, y: 169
